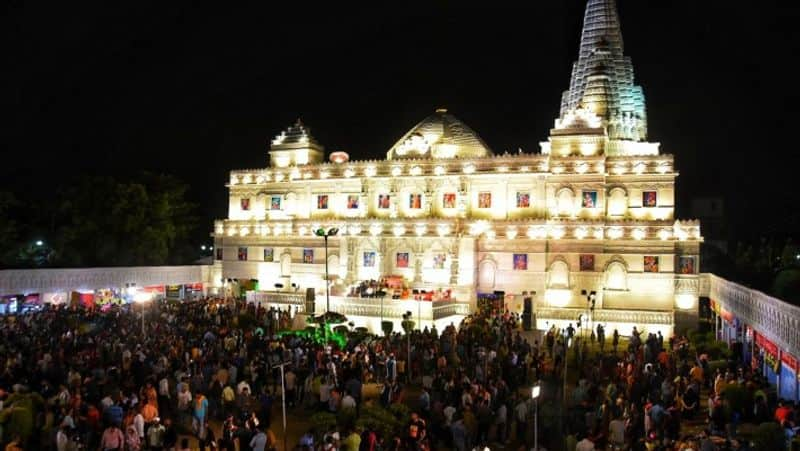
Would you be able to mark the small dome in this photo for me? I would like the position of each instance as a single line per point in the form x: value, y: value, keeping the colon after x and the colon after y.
x: 440, y: 135
x: 339, y: 157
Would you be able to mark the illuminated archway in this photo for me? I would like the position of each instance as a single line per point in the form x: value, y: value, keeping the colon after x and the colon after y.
x: 616, y: 275
x: 487, y: 270
x: 558, y: 275
x: 617, y: 201
x: 565, y: 202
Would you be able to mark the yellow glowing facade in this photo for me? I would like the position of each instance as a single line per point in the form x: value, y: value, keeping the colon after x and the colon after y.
x: 593, y: 211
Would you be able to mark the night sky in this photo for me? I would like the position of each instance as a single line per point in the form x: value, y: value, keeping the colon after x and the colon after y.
x: 196, y: 92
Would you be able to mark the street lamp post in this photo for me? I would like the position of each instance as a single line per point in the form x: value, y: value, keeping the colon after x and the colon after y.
x: 333, y: 231
x: 419, y: 313
x: 566, y: 355
x: 283, y: 400
x: 535, y: 395
x: 407, y: 317
x: 141, y: 298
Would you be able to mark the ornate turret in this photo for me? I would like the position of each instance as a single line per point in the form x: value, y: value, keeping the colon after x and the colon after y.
x: 295, y: 146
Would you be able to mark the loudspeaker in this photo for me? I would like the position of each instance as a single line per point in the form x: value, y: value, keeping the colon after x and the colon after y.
x: 310, y: 298
x: 527, y: 313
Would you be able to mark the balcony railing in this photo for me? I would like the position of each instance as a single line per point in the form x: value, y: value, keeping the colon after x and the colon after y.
x: 391, y: 308
x: 607, y: 315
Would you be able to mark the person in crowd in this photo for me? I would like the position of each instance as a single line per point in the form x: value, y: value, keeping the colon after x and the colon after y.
x: 94, y: 375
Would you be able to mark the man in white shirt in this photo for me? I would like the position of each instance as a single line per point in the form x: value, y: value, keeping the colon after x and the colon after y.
x: 449, y: 411
x: 348, y: 402
x: 585, y: 445
x: 325, y: 393
x: 163, y: 387
x: 616, y: 432
x: 155, y: 435
x: 241, y: 386
x: 62, y: 439
x: 138, y: 423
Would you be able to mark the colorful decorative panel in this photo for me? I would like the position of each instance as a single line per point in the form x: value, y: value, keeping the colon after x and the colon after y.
x: 383, y: 201
x: 308, y: 255
x: 322, y: 202
x: 402, y: 260
x: 686, y: 265
x: 485, y: 199
x: 523, y: 200
x: 587, y: 262
x: 520, y: 262
x: 649, y: 198
x: 589, y: 199
x: 449, y: 200
x: 415, y: 201
x: 650, y: 263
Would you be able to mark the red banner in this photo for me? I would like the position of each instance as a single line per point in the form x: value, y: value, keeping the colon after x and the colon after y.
x: 87, y: 299
x: 789, y: 361
x: 154, y: 289
x: 766, y: 345
x: 726, y: 315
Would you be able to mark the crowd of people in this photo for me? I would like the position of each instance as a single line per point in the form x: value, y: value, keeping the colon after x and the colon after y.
x: 208, y: 373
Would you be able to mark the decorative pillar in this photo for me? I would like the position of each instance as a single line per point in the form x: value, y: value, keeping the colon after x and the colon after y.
x: 382, y: 251
x: 454, y: 263
x: 418, y: 255
x: 352, y: 262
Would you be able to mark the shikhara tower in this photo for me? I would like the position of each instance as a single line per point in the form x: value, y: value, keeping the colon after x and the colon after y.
x: 602, y: 98
x: 593, y: 213
x: 602, y: 78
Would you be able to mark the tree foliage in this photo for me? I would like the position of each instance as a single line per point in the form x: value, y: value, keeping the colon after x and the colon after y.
x: 102, y: 221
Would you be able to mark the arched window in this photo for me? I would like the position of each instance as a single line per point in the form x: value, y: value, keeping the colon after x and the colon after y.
x: 616, y: 276
x: 486, y: 275
x: 291, y: 204
x: 565, y: 202
x: 286, y: 264
x: 558, y: 275
x: 617, y: 202
x: 333, y: 265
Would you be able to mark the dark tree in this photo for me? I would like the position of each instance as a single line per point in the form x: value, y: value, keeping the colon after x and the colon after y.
x: 101, y: 221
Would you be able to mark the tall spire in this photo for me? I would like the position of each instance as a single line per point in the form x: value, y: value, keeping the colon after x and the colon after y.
x: 601, y: 22
x: 602, y: 77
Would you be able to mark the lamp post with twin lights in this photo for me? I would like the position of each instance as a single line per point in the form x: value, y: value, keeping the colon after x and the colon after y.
x: 333, y: 231
x: 535, y: 396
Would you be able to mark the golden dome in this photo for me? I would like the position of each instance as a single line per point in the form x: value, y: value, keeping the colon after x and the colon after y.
x: 440, y: 135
